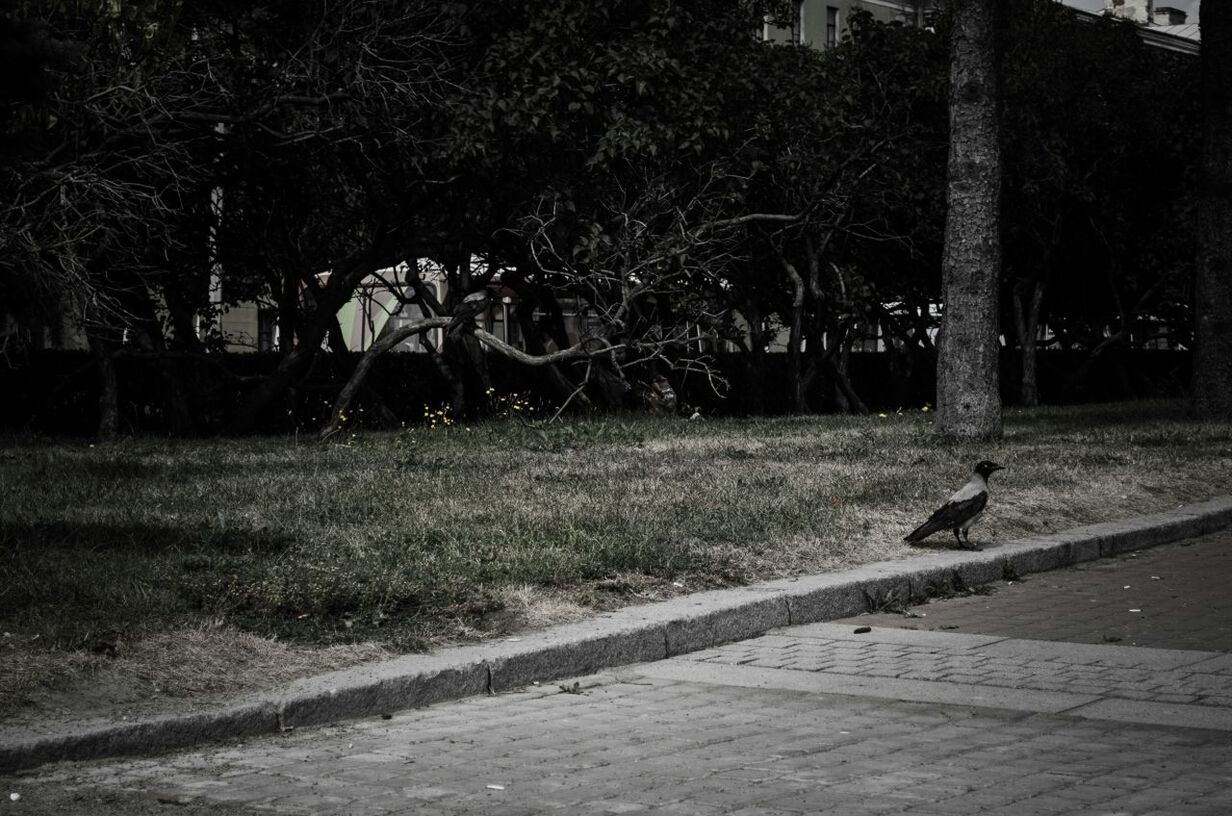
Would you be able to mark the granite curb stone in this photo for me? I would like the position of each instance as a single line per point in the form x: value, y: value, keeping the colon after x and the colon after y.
x: 632, y: 635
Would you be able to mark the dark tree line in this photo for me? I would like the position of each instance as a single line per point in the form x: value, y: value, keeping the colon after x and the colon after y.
x: 1213, y: 367
x: 647, y: 163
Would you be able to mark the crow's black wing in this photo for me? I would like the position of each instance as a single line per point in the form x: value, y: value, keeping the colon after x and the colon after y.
x: 949, y: 515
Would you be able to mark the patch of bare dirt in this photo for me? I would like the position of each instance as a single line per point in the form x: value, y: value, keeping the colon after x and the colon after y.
x: 170, y: 672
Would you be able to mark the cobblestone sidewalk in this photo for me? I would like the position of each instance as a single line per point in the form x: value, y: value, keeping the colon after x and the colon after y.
x: 1157, y: 675
x: 653, y: 746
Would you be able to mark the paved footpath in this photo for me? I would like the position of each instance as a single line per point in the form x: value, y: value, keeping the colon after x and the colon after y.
x: 1176, y: 596
x: 979, y: 719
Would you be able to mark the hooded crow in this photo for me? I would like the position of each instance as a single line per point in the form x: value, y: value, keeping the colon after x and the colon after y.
x: 962, y: 510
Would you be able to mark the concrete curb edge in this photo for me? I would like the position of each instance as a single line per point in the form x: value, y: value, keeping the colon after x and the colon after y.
x: 631, y: 635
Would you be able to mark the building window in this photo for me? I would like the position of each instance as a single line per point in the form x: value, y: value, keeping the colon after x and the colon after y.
x: 267, y: 330
x: 797, y: 22
x: 831, y: 26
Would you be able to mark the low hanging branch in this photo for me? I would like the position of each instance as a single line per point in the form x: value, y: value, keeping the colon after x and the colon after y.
x: 586, y: 349
x: 343, y: 402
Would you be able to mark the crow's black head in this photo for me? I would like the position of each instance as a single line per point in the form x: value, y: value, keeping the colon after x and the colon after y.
x: 985, y: 468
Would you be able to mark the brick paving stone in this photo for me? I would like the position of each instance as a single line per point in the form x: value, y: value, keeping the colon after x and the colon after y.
x: 1181, y: 589
x: 1104, y: 670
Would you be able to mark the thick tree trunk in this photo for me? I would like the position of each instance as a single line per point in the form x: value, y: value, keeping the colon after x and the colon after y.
x: 968, y: 397
x: 1212, y: 373
x: 1026, y: 316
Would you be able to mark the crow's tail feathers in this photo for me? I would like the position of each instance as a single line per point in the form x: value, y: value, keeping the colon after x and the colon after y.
x: 922, y: 532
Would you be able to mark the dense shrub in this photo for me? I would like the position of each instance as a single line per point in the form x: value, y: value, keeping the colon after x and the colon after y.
x: 56, y: 392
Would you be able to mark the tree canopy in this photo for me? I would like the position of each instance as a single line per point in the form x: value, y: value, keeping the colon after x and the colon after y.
x: 649, y: 165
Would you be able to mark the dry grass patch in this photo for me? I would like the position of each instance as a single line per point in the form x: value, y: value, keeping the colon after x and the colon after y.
x: 423, y: 537
x: 197, y: 662
x: 530, y: 607
x: 211, y: 659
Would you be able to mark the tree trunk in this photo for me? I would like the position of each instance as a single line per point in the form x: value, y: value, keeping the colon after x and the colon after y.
x: 341, y: 353
x: 471, y: 353
x: 755, y: 360
x: 298, y: 361
x: 108, y: 384
x: 1027, y: 320
x: 149, y: 333
x: 846, y: 394
x: 183, y: 321
x: 968, y: 397
x: 795, y: 375
x: 355, y: 383
x: 901, y: 364
x: 290, y: 370
x: 816, y: 327
x: 288, y: 312
x: 530, y: 297
x: 1212, y: 371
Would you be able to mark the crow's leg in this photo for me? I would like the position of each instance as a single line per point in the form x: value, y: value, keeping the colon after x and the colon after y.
x: 967, y: 540
x: 957, y: 537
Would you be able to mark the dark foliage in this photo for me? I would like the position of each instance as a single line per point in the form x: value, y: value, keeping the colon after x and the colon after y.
x: 54, y: 392
x: 645, y: 163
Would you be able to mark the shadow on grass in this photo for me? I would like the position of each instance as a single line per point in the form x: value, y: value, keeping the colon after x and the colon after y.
x: 179, y: 462
x: 134, y: 469
x: 1052, y: 420
x: 65, y: 583
x: 31, y: 538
